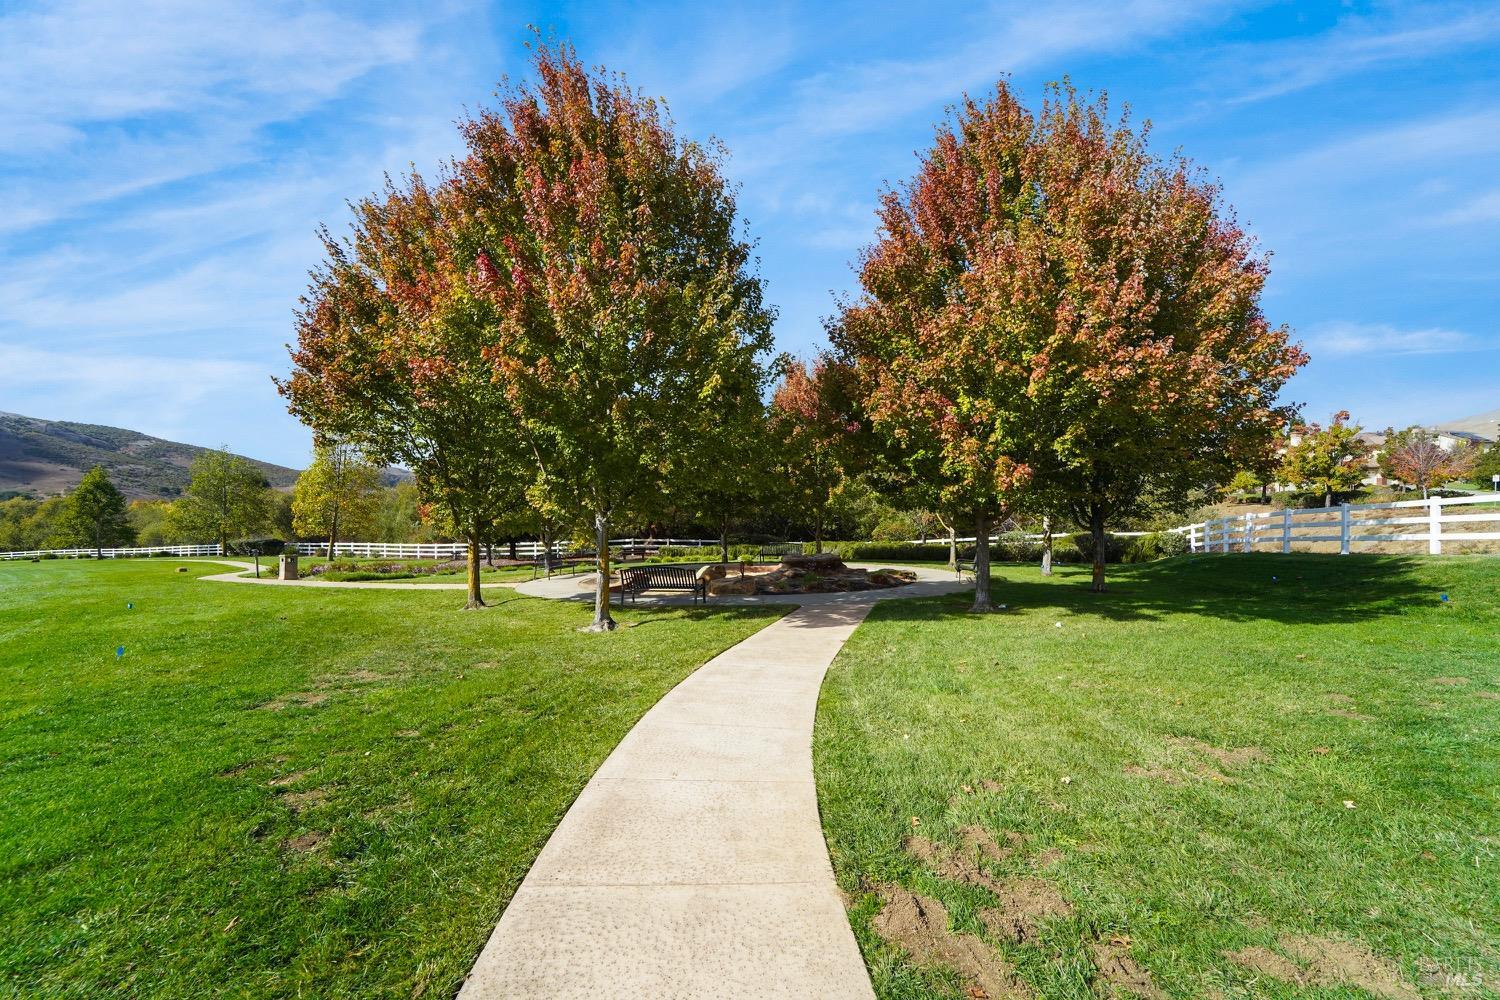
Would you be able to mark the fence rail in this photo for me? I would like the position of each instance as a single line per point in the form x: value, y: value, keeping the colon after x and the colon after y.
x: 1349, y: 525
x: 458, y: 550
x: 117, y: 552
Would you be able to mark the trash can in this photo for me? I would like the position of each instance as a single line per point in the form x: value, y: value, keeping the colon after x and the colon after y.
x: 288, y: 570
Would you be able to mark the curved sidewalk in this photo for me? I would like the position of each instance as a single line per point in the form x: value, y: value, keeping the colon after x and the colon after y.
x: 693, y: 863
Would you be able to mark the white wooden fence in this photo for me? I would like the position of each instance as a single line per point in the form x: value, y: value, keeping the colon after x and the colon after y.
x: 458, y: 550
x: 372, y: 550
x: 118, y: 553
x: 1352, y: 525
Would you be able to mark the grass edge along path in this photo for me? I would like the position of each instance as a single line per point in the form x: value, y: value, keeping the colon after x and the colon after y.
x: 283, y: 791
x: 1231, y: 776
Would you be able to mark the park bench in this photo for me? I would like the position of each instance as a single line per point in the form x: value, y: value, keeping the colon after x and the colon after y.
x: 634, y: 582
x: 777, y: 552
x: 547, y: 563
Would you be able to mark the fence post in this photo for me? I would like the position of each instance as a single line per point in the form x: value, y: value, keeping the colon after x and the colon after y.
x: 1343, y: 529
x: 1286, y: 531
x: 1435, y: 527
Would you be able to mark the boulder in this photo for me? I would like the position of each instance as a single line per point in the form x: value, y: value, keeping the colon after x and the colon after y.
x: 892, y: 577
x: 823, y: 562
x: 713, y: 571
x: 726, y: 586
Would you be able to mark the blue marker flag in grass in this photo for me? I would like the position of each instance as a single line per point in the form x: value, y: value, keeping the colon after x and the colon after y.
x: 1444, y: 597
x: 129, y: 605
x: 119, y: 651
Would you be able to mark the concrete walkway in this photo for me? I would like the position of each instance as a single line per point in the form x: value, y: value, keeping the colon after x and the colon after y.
x: 693, y: 864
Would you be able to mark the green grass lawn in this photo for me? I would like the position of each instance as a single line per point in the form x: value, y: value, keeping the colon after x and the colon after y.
x: 283, y: 792
x: 1124, y: 790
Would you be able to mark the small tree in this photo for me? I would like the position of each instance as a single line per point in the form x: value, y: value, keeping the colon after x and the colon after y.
x: 1327, y: 460
x: 611, y: 252
x: 813, y: 431
x: 1414, y: 457
x: 1486, y: 468
x: 227, y: 498
x: 95, y: 513
x: 338, y: 493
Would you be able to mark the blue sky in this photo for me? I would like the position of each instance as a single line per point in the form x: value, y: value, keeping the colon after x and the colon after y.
x: 164, y: 166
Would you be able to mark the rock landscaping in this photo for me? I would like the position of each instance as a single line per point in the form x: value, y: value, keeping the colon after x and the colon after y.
x: 824, y: 573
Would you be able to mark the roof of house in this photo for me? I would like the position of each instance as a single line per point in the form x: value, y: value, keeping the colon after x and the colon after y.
x: 1467, y: 436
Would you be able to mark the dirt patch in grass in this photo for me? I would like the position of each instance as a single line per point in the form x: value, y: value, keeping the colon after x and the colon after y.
x: 1330, y: 961
x: 287, y: 779
x: 1491, y: 695
x: 304, y: 699
x: 1231, y: 757
x: 1264, y: 962
x: 1450, y: 681
x: 298, y: 801
x: 1324, y: 961
x: 919, y: 926
x: 1024, y: 904
x: 956, y: 866
x: 309, y: 841
x: 1162, y: 774
x: 1344, y: 713
x: 1115, y: 966
x: 1338, y: 698
x: 977, y: 838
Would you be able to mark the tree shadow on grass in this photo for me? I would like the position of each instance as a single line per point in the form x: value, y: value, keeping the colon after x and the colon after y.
x: 677, y: 613
x: 1294, y: 589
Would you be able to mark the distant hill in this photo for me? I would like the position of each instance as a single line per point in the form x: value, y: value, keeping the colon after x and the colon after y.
x: 1483, y: 424
x: 43, y: 457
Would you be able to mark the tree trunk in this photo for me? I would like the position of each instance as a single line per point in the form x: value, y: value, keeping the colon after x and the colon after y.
x: 1328, y: 497
x: 1265, y: 492
x: 953, y: 549
x: 512, y: 549
x: 602, y: 621
x: 1096, y: 532
x: 981, y: 564
x: 476, y: 599
x: 724, y: 540
x: 1046, y: 546
x: 818, y: 535
x: 333, y: 534
x: 98, y: 541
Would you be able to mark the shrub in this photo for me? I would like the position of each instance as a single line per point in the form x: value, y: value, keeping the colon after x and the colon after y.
x: 1157, y: 545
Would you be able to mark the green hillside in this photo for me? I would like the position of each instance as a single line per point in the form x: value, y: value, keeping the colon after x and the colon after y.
x: 43, y: 457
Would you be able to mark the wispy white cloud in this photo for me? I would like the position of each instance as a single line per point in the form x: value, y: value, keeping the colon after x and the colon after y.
x: 1342, y: 339
x: 1356, y: 44
x: 849, y: 97
x: 1483, y: 208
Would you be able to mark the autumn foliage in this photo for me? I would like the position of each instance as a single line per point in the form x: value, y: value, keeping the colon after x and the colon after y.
x: 1050, y: 310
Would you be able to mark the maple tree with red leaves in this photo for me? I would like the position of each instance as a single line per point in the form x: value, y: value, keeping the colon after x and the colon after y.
x: 811, y: 421
x: 391, y: 357
x: 1050, y: 311
x: 627, y: 309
